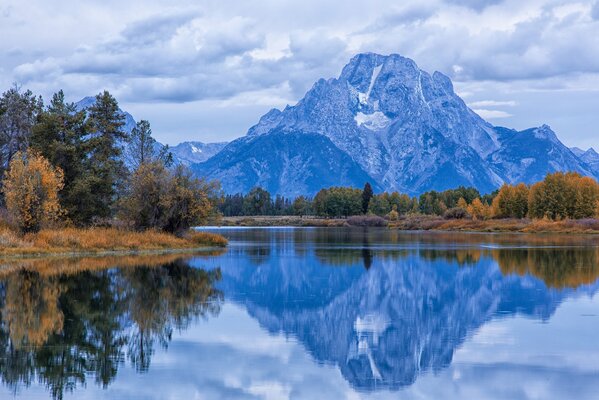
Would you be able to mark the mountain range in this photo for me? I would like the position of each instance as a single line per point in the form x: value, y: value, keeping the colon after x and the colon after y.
x: 385, y: 121
x: 406, y: 129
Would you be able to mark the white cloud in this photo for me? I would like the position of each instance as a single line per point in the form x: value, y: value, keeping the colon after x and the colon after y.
x: 173, y: 52
x: 492, y: 114
x: 492, y: 103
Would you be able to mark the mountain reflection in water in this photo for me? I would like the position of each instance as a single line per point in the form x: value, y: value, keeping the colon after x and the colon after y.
x: 382, y: 307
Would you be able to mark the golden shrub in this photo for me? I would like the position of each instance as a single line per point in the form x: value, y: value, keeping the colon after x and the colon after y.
x: 31, y: 188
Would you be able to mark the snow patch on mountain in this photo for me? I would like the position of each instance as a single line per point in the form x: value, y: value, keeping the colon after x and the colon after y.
x: 375, y: 121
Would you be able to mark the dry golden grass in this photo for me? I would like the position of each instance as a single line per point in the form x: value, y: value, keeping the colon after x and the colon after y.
x: 99, y: 240
x: 206, y: 238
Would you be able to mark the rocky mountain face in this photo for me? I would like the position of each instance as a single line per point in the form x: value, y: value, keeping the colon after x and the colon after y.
x: 405, y: 128
x: 196, y: 152
x: 289, y: 162
x: 590, y: 156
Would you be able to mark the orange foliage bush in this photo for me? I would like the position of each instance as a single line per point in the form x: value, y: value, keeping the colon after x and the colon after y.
x: 31, y: 188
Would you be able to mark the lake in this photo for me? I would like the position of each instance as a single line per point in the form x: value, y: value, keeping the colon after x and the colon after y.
x: 310, y: 313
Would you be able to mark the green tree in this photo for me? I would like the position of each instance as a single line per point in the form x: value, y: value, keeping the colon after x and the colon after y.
x: 142, y: 147
x: 106, y: 170
x: 257, y: 202
x: 19, y: 111
x: 379, y: 205
x: 59, y: 136
x: 366, y: 196
x: 302, y: 206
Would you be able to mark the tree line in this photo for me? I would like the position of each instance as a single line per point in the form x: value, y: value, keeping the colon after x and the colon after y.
x: 62, y: 165
x: 559, y: 196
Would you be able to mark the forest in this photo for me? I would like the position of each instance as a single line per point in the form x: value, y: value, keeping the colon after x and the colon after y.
x: 558, y: 197
x: 63, y: 167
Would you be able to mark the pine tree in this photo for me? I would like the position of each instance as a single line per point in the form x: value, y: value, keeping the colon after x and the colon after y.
x: 59, y: 137
x: 366, y: 196
x: 106, y: 168
x: 142, y: 147
x: 18, y: 113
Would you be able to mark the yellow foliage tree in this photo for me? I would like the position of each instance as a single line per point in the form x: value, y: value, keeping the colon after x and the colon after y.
x: 393, y: 215
x: 462, y: 204
x: 478, y: 210
x: 511, y: 201
x: 564, y: 195
x: 30, y: 189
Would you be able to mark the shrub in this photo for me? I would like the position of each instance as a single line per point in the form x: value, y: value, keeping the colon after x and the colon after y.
x: 207, y: 238
x: 31, y: 188
x: 366, y: 220
x: 170, y: 201
x: 456, y: 213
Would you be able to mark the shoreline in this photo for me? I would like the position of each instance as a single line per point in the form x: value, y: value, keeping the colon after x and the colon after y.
x: 73, y: 242
x: 106, y: 253
x: 425, y: 224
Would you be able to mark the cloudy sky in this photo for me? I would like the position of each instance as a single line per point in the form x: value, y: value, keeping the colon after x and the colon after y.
x: 207, y: 70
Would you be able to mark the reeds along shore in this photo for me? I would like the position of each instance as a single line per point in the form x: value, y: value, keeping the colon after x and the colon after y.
x: 96, y: 240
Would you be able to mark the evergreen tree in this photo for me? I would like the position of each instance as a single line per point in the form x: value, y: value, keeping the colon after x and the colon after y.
x: 59, y: 137
x: 106, y: 168
x: 18, y: 113
x: 366, y: 196
x: 257, y: 202
x: 143, y: 148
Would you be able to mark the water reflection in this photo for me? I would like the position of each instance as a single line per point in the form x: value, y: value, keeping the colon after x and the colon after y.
x: 382, y: 307
x: 406, y: 303
x: 63, y: 329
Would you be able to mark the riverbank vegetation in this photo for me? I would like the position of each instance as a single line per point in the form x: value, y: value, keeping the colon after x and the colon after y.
x: 75, y: 180
x: 562, y: 202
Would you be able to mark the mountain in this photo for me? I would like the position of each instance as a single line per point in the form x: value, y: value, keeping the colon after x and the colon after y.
x: 196, y: 152
x: 289, y: 162
x: 590, y: 156
x: 527, y: 156
x: 407, y: 129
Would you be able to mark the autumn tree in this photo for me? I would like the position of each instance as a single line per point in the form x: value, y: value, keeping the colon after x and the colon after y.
x: 511, y: 201
x: 478, y: 210
x: 564, y: 195
x: 31, y: 186
x: 172, y: 201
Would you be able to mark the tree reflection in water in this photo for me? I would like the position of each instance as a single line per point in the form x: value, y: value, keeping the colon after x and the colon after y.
x: 60, y: 329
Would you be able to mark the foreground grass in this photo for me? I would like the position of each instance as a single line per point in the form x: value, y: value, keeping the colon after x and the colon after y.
x: 100, y: 240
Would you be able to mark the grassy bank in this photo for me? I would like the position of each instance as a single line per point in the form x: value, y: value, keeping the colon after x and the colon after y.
x: 496, y: 225
x: 260, y: 221
x: 100, y: 240
x: 426, y: 223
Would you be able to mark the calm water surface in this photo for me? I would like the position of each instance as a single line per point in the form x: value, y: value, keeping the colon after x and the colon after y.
x: 310, y: 314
